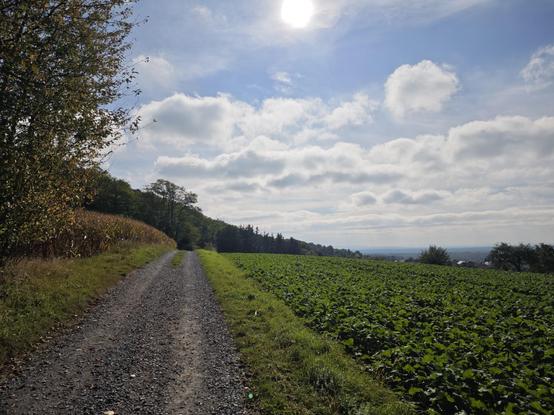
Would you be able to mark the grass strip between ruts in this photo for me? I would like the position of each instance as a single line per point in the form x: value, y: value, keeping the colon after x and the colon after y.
x: 294, y: 370
x: 177, y: 259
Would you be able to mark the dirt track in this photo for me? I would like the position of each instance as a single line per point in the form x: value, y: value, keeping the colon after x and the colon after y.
x: 156, y: 344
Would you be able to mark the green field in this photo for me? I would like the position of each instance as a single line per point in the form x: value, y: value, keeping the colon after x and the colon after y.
x: 449, y: 339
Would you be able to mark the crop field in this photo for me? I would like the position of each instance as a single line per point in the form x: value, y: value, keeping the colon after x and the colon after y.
x: 454, y: 341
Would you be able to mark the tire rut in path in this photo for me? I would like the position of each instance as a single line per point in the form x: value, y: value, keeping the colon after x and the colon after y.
x: 156, y: 344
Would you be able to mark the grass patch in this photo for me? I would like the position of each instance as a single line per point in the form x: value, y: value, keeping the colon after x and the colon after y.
x: 177, y: 260
x: 36, y: 295
x: 294, y: 370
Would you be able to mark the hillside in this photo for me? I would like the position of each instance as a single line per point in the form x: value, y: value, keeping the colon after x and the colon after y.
x: 173, y: 210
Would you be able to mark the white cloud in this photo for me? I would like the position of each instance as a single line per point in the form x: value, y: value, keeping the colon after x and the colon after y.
x: 424, y: 87
x: 472, y: 163
x: 251, y: 161
x: 283, y: 167
x: 409, y: 198
x: 181, y: 120
x: 281, y: 115
x: 283, y: 82
x: 282, y: 77
x: 539, y: 72
x: 480, y: 146
x: 154, y: 72
x: 161, y: 75
x: 220, y: 121
x: 234, y: 165
x: 363, y: 199
x: 355, y: 112
x: 513, y: 140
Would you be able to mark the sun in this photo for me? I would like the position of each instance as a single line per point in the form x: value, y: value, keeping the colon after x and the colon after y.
x: 297, y: 13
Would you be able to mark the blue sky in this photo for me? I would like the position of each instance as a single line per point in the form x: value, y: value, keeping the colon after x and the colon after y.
x: 380, y: 123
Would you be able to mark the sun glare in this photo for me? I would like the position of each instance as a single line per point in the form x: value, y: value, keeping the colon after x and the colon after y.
x: 297, y: 13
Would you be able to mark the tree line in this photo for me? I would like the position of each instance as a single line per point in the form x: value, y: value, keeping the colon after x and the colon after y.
x: 162, y: 204
x: 173, y: 210
x: 523, y: 257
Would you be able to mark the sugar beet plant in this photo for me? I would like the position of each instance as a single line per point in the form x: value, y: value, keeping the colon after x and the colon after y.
x: 455, y: 341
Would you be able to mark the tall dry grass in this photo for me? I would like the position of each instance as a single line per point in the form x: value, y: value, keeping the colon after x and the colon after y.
x: 92, y: 233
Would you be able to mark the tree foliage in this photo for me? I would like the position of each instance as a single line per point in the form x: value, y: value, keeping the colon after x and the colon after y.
x: 162, y: 204
x: 543, y: 259
x: 61, y: 73
x: 172, y: 209
x: 248, y: 239
x: 539, y: 258
x: 435, y: 255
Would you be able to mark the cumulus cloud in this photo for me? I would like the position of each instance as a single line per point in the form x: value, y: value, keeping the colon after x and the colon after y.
x: 424, y: 87
x: 475, y: 174
x: 363, y: 199
x: 181, y: 121
x: 160, y: 74
x: 243, y: 164
x: 509, y: 216
x: 407, y: 198
x: 154, y: 72
x: 539, y: 72
x: 513, y: 139
x: 283, y: 167
x: 494, y: 154
x: 493, y: 164
x: 507, y: 151
x: 355, y: 112
x: 295, y: 180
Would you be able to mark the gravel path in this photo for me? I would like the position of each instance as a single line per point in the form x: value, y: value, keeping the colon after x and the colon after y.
x: 156, y: 344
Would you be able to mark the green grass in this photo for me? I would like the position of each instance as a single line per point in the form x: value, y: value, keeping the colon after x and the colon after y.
x: 178, y: 259
x: 294, y: 370
x: 37, y: 295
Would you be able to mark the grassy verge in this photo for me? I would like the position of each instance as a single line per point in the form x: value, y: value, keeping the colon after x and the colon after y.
x: 36, y: 295
x: 178, y: 259
x: 294, y: 370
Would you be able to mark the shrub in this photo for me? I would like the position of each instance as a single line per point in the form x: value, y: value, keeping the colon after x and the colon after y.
x: 435, y: 255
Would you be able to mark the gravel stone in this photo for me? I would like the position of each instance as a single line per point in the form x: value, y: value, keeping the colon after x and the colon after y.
x: 157, y: 343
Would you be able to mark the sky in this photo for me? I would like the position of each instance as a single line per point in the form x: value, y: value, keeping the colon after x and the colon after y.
x: 356, y: 123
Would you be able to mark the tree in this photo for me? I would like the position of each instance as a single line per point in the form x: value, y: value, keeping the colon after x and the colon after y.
x: 543, y: 259
x: 113, y: 196
x: 435, y: 255
x: 62, y: 70
x: 174, y: 198
x: 512, y: 258
x: 294, y: 247
x: 228, y: 239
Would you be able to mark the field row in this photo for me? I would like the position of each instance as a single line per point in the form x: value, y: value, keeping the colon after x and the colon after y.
x: 449, y: 339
